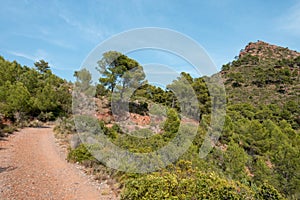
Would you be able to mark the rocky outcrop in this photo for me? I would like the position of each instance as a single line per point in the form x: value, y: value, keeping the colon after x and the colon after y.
x: 265, y: 50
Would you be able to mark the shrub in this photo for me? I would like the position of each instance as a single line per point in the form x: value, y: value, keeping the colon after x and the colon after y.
x: 267, y: 191
x: 80, y: 154
x: 65, y: 126
x: 172, y: 123
x: 9, y: 129
x: 187, y: 184
x: 44, y: 117
x: 144, y: 133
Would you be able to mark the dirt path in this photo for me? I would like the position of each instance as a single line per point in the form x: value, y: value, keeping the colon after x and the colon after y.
x: 32, y: 167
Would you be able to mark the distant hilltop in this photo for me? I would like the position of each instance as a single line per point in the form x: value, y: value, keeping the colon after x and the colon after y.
x: 264, y: 50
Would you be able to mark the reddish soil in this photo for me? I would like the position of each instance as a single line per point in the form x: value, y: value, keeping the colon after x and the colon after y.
x: 140, y: 119
x: 32, y: 166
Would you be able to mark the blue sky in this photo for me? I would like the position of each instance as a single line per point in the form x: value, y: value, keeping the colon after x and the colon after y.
x: 65, y: 32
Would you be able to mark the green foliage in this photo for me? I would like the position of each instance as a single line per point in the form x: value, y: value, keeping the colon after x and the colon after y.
x: 157, y: 109
x: 268, y: 147
x: 156, y: 95
x: 184, y: 183
x: 185, y: 95
x: 30, y: 93
x: 80, y: 154
x: 262, y: 78
x: 172, y: 123
x: 42, y: 66
x: 18, y: 100
x: 266, y: 191
x: 7, y: 129
x: 226, y: 67
x: 262, y: 172
x: 201, y: 90
x: 134, y: 142
x: 83, y: 82
x: 101, y: 90
x: 44, y: 117
x: 248, y: 59
x: 178, y: 95
x: 119, y: 72
x: 235, y: 159
x: 110, y: 132
x: 144, y: 133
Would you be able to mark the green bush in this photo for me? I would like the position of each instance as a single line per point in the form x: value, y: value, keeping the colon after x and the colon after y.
x: 48, y: 116
x: 267, y: 191
x: 187, y: 184
x: 9, y: 129
x: 80, y: 154
x: 142, y: 133
x: 65, y: 126
x: 172, y: 123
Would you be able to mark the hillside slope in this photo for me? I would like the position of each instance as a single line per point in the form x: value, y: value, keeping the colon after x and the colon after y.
x: 265, y: 74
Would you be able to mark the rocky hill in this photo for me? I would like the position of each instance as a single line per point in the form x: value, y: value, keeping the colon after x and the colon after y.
x: 265, y: 51
x: 263, y: 74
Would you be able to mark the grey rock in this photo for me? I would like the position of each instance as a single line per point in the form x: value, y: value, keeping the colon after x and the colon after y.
x: 75, y: 141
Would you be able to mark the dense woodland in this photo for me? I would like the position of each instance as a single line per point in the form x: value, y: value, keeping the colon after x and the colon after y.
x: 256, y: 157
x: 31, y: 93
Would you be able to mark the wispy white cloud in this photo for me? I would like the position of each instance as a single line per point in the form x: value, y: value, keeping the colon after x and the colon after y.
x: 44, y: 36
x: 38, y: 55
x: 23, y: 55
x: 291, y: 21
x: 90, y: 31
